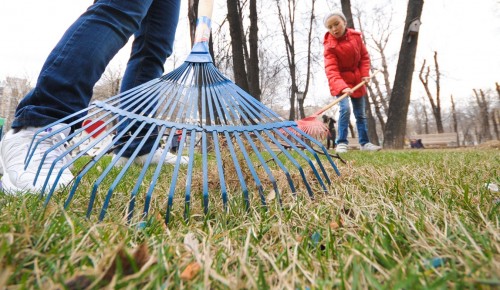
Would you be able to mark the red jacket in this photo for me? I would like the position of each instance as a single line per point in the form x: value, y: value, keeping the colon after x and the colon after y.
x: 346, y: 62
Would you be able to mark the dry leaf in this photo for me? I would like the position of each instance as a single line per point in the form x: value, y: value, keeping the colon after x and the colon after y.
x: 160, y: 219
x: 334, y: 225
x: 129, y: 264
x: 190, y: 272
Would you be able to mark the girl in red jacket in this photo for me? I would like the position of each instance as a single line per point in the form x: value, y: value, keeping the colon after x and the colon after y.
x: 347, y: 63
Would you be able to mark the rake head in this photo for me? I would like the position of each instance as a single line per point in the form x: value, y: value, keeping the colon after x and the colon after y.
x: 236, y: 145
x: 313, y: 127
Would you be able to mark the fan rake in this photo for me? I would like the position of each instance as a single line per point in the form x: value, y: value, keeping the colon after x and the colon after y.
x: 222, y: 129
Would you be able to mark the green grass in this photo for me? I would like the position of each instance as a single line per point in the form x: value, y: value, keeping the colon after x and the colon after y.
x: 407, y: 219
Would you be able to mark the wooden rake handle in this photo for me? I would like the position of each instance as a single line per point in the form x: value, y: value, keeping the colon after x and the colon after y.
x: 337, y: 100
x: 204, y: 21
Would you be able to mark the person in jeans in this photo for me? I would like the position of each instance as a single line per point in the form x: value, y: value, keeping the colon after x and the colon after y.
x: 347, y: 63
x: 70, y: 72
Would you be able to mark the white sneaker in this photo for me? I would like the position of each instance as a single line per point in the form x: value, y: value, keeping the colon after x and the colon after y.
x: 13, y: 150
x: 170, y: 158
x: 341, y: 148
x: 370, y: 147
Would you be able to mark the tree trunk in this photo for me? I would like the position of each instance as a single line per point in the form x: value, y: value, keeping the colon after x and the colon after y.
x: 455, y: 118
x: 434, y: 101
x: 235, y: 30
x: 494, y: 118
x: 253, y: 61
x: 395, y: 128
x: 346, y: 9
x: 485, y: 134
x: 372, y: 128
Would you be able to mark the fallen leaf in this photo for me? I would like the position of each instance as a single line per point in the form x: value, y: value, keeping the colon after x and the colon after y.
x: 160, y: 219
x: 334, y: 225
x: 191, y: 271
x: 129, y: 264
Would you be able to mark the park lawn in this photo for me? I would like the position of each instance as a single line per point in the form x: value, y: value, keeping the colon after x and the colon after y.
x: 407, y: 219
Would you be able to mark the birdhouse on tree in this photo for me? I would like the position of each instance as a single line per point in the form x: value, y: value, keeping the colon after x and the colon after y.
x: 413, y: 28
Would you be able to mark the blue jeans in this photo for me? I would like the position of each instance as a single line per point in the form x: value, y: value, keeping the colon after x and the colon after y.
x: 71, y: 70
x: 358, y: 108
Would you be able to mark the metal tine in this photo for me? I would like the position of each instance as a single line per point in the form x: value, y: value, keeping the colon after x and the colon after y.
x: 70, y: 162
x: 92, y: 162
x: 276, y: 160
x: 149, y: 193
x: 237, y: 166
x: 189, y: 178
x: 125, y: 168
x: 113, y: 162
x: 211, y: 103
x: 155, y: 105
x: 250, y: 105
x: 305, y: 157
x: 241, y: 106
x: 291, y: 158
x: 192, y: 94
x: 311, y: 151
x: 220, y: 168
x: 33, y: 145
x: 60, y: 143
x: 263, y: 162
x: 175, y: 175
x: 250, y: 166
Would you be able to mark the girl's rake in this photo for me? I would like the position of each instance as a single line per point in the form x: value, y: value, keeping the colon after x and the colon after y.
x: 247, y: 141
x: 314, y: 127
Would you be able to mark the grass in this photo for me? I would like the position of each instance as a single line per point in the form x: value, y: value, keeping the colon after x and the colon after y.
x: 420, y: 219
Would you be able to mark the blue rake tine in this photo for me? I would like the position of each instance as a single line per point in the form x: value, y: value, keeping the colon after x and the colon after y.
x: 110, y: 166
x: 238, y: 170
x: 68, y: 164
x: 189, y: 180
x: 122, y: 173
x: 305, y: 157
x: 92, y: 163
x: 154, y: 180
x: 293, y: 160
x: 313, y: 152
x: 220, y: 168
x: 175, y: 175
x: 251, y: 167
x: 264, y: 164
x: 277, y: 161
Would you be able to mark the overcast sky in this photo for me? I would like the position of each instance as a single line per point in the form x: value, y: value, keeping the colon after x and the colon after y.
x: 466, y: 35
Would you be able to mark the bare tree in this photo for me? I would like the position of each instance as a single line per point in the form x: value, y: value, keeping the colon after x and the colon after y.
x: 434, y: 101
x: 253, y: 56
x: 346, y: 9
x: 14, y: 90
x: 400, y: 98
x: 236, y: 32
x: 485, y: 133
x: 455, y: 118
x: 109, y: 84
x: 287, y: 21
